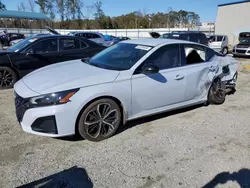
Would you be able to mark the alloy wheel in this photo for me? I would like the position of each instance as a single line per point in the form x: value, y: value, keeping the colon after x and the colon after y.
x: 6, y: 78
x: 218, y: 90
x: 101, y: 120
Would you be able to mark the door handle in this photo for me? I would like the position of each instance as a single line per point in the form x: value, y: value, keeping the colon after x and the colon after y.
x: 179, y: 77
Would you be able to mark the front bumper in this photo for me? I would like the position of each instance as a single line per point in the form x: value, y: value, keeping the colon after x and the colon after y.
x: 241, y: 52
x: 52, y: 121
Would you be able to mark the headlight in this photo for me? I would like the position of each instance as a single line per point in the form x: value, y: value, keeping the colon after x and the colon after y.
x: 51, y: 99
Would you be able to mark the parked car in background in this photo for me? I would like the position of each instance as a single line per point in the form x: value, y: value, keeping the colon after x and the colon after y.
x: 112, y: 39
x: 242, y: 49
x: 129, y: 80
x: 39, y: 51
x: 124, y: 38
x: 8, y: 37
x: 192, y: 36
x: 219, y: 43
x: 93, y: 36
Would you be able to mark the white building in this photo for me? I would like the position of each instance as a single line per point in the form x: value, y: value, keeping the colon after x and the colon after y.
x: 233, y: 18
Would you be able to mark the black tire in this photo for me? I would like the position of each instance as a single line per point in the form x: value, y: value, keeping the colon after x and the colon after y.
x: 217, y: 92
x: 7, y: 78
x: 224, y: 51
x: 90, y: 115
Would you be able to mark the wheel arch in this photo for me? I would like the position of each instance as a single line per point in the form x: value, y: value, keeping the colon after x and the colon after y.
x: 119, y: 103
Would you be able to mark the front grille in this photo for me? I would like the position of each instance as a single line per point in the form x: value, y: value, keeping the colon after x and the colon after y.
x: 241, y: 51
x: 243, y: 46
x: 20, y: 107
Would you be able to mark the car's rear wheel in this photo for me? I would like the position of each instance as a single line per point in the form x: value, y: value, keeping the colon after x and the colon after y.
x: 7, y: 78
x: 100, y: 120
x: 217, y: 92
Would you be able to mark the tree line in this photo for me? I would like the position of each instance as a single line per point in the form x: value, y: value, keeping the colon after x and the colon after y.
x: 75, y: 14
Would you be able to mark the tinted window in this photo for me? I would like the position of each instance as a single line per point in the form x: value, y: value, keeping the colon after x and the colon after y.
x: 219, y: 38
x: 203, y: 39
x: 45, y: 46
x: 166, y: 57
x: 69, y: 44
x: 78, y: 34
x: 83, y: 44
x: 194, y: 54
x: 193, y: 38
x: 96, y: 36
x: 120, y: 56
x: 88, y: 35
x: 185, y: 37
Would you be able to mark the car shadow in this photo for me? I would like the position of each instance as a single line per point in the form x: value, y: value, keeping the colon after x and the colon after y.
x: 133, y: 123
x: 72, y: 177
x: 242, y: 177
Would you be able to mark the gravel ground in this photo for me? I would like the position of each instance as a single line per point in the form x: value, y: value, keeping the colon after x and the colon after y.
x: 188, y: 148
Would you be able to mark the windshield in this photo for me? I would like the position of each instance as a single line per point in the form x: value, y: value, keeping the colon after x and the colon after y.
x: 121, y: 56
x: 18, y: 46
x: 245, y: 41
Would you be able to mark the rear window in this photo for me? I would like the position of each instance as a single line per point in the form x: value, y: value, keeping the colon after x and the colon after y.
x: 170, y: 36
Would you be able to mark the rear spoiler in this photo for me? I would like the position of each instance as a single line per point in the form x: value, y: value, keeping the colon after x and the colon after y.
x: 154, y: 34
x: 54, y: 32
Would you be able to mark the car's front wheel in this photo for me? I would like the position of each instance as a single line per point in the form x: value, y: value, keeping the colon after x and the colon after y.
x: 7, y: 78
x: 217, y: 92
x: 225, y: 51
x: 99, y: 120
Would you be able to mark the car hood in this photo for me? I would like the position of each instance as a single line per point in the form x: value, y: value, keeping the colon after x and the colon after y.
x: 67, y: 75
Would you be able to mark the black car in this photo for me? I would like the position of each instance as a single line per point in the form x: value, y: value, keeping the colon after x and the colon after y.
x: 192, y: 36
x: 39, y: 51
x: 8, y: 37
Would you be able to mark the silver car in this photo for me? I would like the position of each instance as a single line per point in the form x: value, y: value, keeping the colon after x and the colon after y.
x: 129, y: 80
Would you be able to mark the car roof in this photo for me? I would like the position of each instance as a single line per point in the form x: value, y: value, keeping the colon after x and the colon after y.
x: 155, y: 42
x: 87, y: 32
x: 51, y: 36
x: 187, y: 32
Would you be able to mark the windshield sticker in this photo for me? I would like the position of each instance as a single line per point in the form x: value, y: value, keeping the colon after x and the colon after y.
x: 147, y: 48
x: 33, y: 40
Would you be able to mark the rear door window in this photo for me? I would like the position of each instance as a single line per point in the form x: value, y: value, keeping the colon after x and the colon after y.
x: 69, y: 44
x: 194, y: 54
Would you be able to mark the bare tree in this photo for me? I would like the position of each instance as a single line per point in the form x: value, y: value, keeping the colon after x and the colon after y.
x: 21, y: 7
x: 31, y: 5
x: 2, y: 6
x: 169, y: 12
x: 61, y: 4
x: 47, y: 7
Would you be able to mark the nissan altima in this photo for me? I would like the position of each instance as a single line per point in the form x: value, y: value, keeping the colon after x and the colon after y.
x: 132, y: 79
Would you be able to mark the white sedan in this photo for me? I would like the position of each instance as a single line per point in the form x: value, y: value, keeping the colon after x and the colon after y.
x: 129, y: 80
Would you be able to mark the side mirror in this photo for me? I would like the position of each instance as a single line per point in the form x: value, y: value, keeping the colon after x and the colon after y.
x: 150, y: 69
